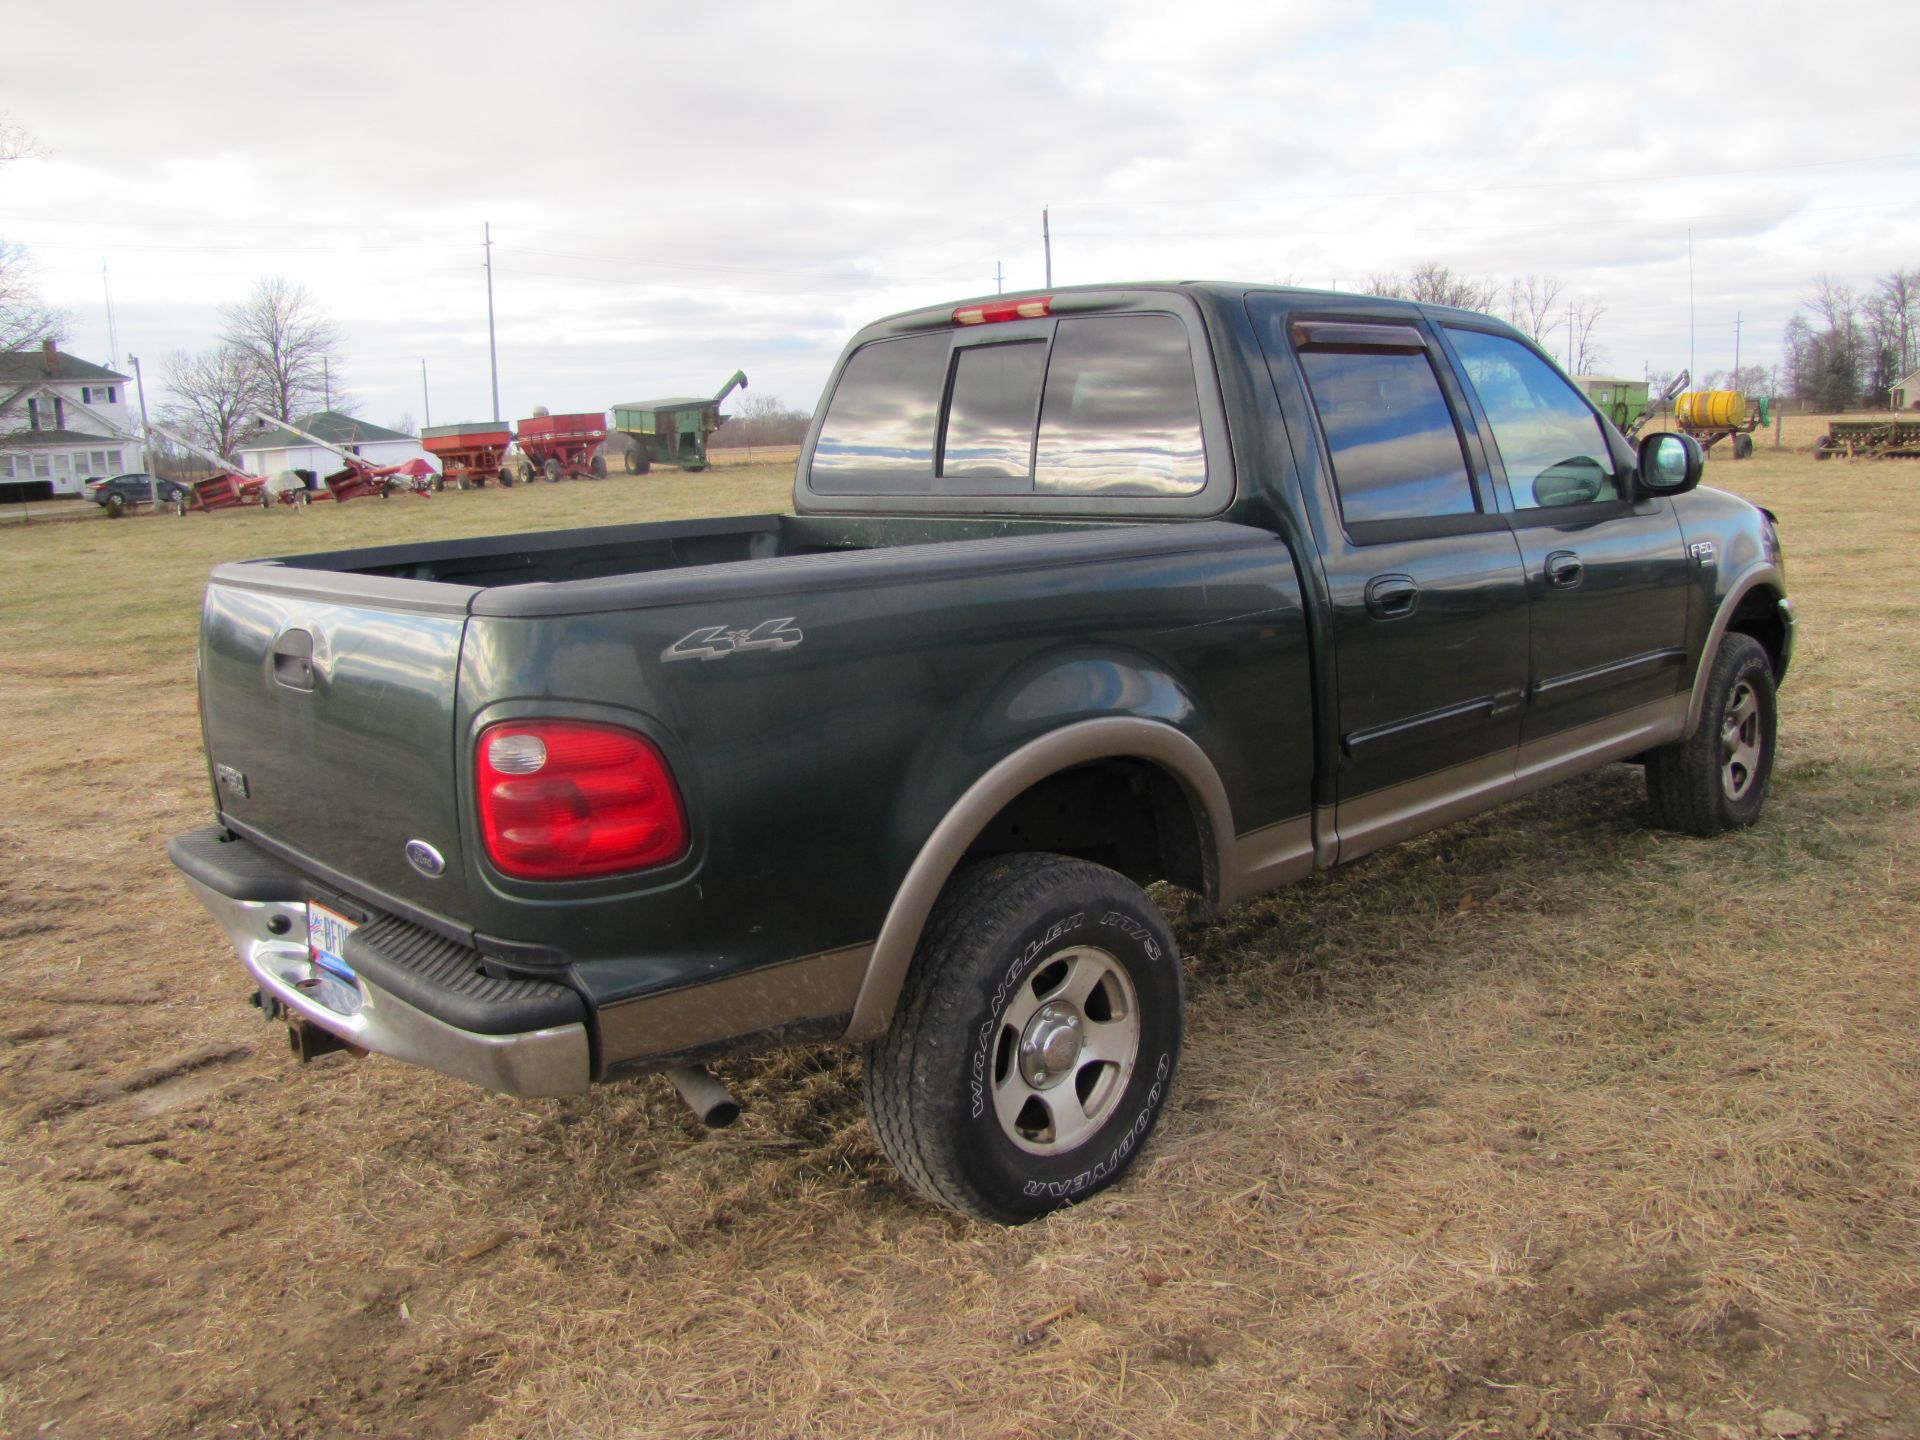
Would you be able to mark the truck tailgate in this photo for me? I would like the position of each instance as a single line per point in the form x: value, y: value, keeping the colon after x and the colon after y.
x: 329, y: 716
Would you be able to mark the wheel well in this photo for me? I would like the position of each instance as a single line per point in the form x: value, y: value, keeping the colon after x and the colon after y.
x: 1129, y: 815
x: 1758, y: 615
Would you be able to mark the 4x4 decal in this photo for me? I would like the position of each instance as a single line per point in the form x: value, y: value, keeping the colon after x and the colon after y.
x: 716, y: 642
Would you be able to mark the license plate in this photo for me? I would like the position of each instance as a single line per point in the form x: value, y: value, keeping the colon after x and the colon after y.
x: 327, y: 933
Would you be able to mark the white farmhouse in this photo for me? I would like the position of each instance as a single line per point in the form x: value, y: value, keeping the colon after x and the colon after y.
x: 62, y: 421
x: 1905, y: 394
x: 267, y: 449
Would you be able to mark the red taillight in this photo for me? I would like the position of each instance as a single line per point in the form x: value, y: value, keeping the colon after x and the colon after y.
x: 566, y: 799
x: 1034, y: 307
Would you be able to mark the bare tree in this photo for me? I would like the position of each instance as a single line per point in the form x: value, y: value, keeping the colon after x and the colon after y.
x: 211, y: 396
x: 1431, y: 283
x: 1588, y: 354
x: 762, y: 420
x: 404, y: 425
x: 292, y: 347
x: 25, y: 319
x: 1533, y: 305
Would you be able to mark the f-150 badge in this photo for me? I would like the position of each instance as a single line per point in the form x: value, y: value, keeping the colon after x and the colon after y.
x: 717, y: 642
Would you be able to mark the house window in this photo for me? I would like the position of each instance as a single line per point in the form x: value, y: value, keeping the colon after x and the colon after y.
x: 59, y: 413
x: 63, y: 467
x: 112, y: 398
x: 42, y: 468
x: 6, y: 466
x: 33, y: 414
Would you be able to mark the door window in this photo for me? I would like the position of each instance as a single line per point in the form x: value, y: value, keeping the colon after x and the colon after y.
x: 1547, y: 436
x: 1396, y: 452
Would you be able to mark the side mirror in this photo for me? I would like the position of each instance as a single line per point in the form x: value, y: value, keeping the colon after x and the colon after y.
x: 1670, y: 464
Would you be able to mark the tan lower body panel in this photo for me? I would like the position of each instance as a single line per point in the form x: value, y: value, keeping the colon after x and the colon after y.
x: 818, y: 987
x: 1399, y: 812
x: 1272, y: 856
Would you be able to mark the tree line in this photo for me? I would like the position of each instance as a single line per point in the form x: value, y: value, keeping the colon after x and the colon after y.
x: 1848, y: 347
x: 1541, y: 307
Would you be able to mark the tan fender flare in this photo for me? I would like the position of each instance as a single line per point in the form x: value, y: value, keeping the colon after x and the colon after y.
x: 1116, y: 737
x: 1749, y: 582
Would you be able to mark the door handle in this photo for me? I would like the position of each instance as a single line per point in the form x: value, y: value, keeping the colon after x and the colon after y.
x: 1564, y: 570
x: 1390, y: 597
x: 293, y: 660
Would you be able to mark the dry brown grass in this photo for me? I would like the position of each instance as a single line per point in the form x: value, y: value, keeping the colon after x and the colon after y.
x: 1546, y: 1125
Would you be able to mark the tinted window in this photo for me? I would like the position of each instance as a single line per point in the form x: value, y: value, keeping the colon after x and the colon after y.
x: 1121, y: 415
x: 1396, y: 453
x: 990, y: 421
x: 1549, y: 440
x: 879, y: 430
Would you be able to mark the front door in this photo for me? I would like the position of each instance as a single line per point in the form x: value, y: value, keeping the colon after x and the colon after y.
x: 1428, y: 592
x: 1607, y: 575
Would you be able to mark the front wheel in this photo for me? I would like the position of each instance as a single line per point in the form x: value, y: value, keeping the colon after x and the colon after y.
x: 551, y: 469
x: 1717, y: 778
x: 1035, y: 1040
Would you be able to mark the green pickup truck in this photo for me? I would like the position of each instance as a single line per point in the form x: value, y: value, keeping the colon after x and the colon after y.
x: 1214, y: 585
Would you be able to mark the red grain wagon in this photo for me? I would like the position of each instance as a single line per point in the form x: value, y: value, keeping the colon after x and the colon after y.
x: 471, y: 454
x: 565, y: 444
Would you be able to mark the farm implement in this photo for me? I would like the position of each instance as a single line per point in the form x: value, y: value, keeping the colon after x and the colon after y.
x: 672, y: 432
x: 362, y: 477
x: 1711, y: 416
x: 1870, y: 439
x: 557, y: 445
x: 471, y: 455
x: 232, y: 487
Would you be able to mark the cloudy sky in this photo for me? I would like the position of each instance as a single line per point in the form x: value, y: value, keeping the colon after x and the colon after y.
x: 679, y: 191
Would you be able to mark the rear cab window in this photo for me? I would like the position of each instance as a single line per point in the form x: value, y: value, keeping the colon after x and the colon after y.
x: 1097, y: 408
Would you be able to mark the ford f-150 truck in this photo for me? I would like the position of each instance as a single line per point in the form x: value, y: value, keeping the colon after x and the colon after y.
x: 1215, y: 585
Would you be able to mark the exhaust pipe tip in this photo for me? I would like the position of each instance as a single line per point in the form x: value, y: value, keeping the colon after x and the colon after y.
x: 705, y: 1096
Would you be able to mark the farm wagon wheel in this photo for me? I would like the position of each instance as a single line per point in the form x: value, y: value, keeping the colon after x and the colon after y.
x: 599, y: 467
x: 506, y: 477
x: 551, y: 469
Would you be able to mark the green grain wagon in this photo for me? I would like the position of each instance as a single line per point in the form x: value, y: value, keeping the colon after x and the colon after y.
x: 672, y: 432
x: 1621, y: 400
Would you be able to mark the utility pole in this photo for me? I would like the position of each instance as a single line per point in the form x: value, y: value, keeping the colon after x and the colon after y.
x: 1569, y: 337
x: 1736, y: 351
x: 326, y: 384
x: 493, y: 355
x: 999, y: 278
x: 426, y: 403
x: 146, y: 438
x: 1046, y: 243
x: 1693, y: 362
x: 113, y: 334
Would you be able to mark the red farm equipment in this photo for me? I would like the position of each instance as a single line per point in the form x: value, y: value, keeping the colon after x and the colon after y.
x: 569, y: 445
x: 230, y: 489
x: 471, y: 455
x: 363, y: 477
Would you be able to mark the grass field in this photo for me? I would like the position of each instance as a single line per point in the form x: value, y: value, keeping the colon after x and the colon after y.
x: 1547, y: 1125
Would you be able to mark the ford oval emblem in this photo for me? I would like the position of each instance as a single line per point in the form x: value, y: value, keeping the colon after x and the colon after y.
x: 424, y: 858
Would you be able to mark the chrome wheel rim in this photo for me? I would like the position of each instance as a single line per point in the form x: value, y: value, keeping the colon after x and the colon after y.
x: 1740, y: 742
x: 1064, y: 1049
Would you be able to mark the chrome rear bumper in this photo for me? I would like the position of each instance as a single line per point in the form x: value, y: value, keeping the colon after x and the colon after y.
x: 270, y: 938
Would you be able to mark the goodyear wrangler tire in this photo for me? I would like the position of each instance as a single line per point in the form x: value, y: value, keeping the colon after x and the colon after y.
x: 1035, y: 1040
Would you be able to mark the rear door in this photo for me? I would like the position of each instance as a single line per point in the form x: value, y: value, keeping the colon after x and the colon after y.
x: 1427, y: 588
x: 330, y: 725
x: 1607, y: 576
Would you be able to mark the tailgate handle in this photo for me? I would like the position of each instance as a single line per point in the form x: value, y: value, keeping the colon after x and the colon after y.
x: 293, y: 660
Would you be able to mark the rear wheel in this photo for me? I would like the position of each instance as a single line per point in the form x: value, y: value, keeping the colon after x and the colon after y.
x: 1717, y: 778
x: 551, y: 469
x: 599, y: 467
x: 1742, y: 446
x: 1035, y: 1041
x: 506, y: 477
x: 115, y: 507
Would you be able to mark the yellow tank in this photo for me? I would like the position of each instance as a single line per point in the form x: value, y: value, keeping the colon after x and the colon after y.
x: 1710, y: 409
